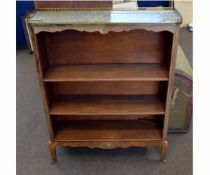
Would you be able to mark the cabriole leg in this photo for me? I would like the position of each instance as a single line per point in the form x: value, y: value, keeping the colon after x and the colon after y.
x: 163, y: 150
x: 52, y: 149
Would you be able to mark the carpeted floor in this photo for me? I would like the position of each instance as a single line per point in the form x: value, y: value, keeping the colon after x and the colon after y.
x: 32, y: 139
x: 186, y: 42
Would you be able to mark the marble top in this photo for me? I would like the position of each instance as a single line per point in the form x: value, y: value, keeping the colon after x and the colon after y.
x: 109, y: 17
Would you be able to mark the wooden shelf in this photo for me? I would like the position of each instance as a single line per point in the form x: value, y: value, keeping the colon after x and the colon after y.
x: 106, y: 117
x: 107, y: 72
x: 107, y: 130
x: 107, y: 105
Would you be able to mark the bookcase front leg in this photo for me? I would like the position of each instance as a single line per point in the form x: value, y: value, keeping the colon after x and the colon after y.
x: 52, y: 148
x: 163, y: 150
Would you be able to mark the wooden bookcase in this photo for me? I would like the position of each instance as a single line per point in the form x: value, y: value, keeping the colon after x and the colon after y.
x: 106, y: 77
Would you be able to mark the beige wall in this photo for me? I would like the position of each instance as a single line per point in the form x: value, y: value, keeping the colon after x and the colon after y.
x: 186, y: 9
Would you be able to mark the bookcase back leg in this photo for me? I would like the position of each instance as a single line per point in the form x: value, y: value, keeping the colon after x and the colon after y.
x: 163, y: 150
x: 52, y: 148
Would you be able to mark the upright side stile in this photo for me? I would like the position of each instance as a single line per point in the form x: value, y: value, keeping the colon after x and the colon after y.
x: 171, y: 81
x: 42, y: 85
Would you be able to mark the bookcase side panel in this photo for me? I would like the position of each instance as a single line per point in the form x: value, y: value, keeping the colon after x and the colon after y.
x: 172, y: 65
x: 40, y: 66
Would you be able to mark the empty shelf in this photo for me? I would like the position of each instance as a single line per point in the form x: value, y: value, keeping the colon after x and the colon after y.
x: 107, y: 130
x: 107, y: 105
x: 107, y: 72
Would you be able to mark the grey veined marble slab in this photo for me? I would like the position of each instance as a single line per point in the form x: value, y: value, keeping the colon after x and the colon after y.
x: 108, y: 17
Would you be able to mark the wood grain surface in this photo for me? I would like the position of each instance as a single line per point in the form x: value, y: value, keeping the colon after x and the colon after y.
x: 108, y: 130
x: 107, y: 72
x: 107, y: 105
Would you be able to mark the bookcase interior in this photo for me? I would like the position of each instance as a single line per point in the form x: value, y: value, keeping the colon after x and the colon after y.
x: 135, y: 46
x: 115, y: 82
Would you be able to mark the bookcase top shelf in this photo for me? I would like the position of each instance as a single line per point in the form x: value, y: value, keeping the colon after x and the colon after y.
x: 104, y: 17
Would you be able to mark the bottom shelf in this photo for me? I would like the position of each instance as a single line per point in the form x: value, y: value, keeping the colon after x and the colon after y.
x: 117, y: 130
